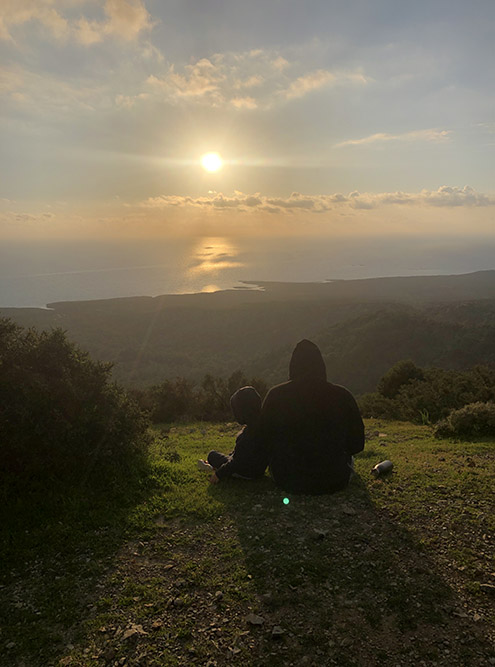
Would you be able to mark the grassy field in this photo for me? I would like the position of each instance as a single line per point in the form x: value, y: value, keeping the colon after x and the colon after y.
x: 175, y: 571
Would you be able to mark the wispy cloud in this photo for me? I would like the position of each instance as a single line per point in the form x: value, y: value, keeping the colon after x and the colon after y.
x: 444, y: 196
x: 124, y: 19
x: 433, y: 135
x: 269, y: 77
x: 309, y: 82
x: 198, y: 80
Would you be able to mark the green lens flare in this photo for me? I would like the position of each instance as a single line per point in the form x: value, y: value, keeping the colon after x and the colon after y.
x: 286, y: 501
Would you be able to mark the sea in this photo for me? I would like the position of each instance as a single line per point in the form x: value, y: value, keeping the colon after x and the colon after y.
x: 36, y: 273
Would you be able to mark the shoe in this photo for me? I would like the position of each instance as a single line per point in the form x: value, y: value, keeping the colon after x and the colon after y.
x: 204, y: 465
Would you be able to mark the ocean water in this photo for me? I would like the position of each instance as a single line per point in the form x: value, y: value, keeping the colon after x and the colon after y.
x: 36, y: 273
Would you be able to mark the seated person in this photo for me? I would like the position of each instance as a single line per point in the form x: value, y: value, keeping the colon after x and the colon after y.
x: 311, y: 427
x: 249, y: 458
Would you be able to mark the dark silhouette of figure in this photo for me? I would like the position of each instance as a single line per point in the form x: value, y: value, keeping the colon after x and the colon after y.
x: 311, y: 427
x: 249, y: 458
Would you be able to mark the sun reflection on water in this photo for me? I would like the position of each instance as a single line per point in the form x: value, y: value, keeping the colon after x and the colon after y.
x: 212, y: 255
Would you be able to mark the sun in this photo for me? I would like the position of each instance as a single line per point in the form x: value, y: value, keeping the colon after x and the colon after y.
x: 211, y: 162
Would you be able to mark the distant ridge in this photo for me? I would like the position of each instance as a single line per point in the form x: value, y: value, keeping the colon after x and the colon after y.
x: 405, y: 289
x: 362, y: 326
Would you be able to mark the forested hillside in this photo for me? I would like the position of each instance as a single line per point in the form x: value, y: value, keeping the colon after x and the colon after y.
x: 362, y: 327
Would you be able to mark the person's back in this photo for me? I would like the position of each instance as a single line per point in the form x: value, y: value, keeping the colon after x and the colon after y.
x: 311, y: 426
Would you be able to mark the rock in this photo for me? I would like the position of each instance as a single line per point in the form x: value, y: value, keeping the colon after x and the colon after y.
x: 133, y: 630
x: 350, y: 511
x: 320, y: 533
x: 10, y: 645
x: 277, y: 631
x: 254, y: 619
x: 218, y: 596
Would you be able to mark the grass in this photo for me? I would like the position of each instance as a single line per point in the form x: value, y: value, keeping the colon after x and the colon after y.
x: 391, y: 571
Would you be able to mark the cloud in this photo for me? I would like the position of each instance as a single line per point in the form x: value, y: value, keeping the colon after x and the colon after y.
x: 269, y: 78
x: 447, y: 196
x: 431, y: 135
x: 198, y: 80
x: 309, y: 82
x: 244, y: 103
x: 125, y: 19
x: 250, y: 82
x: 18, y: 12
x: 451, y: 196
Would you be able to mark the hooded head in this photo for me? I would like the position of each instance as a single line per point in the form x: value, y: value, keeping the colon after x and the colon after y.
x: 307, y: 362
x: 246, y: 405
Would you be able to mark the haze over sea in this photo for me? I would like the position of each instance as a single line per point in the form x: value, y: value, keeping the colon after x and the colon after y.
x: 34, y: 274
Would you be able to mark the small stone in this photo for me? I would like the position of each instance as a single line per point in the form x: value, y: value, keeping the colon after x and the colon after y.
x: 10, y: 645
x: 320, y: 533
x: 254, y: 619
x: 277, y: 631
x: 218, y: 596
x: 350, y: 511
x: 133, y: 630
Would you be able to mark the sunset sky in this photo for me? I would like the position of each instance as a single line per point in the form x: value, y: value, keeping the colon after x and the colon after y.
x: 361, y: 117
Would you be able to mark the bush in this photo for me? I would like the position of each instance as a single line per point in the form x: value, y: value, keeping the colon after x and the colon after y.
x: 401, y: 374
x: 178, y: 399
x: 473, y: 420
x: 375, y: 405
x: 410, y: 393
x: 60, y: 417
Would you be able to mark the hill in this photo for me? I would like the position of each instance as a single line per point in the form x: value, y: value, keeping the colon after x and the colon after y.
x: 362, y: 326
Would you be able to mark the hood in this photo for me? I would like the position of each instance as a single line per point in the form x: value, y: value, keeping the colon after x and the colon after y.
x: 246, y: 405
x: 307, y: 362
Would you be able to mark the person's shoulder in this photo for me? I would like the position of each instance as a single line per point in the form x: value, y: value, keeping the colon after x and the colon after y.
x: 279, y: 389
x: 340, y: 391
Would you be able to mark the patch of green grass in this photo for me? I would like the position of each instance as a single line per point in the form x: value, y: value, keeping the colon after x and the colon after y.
x: 168, y: 572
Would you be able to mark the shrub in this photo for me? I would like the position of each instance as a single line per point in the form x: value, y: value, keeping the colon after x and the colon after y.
x: 60, y: 417
x: 473, y: 420
x: 178, y: 399
x: 375, y: 405
x: 399, y: 375
x: 410, y: 393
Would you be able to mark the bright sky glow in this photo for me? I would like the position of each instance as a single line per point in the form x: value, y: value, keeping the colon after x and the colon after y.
x: 339, y: 119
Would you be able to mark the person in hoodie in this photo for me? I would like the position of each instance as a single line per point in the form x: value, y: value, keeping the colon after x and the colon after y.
x: 312, y: 427
x: 249, y: 458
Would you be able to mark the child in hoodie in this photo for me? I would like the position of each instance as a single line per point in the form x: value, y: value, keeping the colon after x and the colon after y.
x: 249, y: 458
